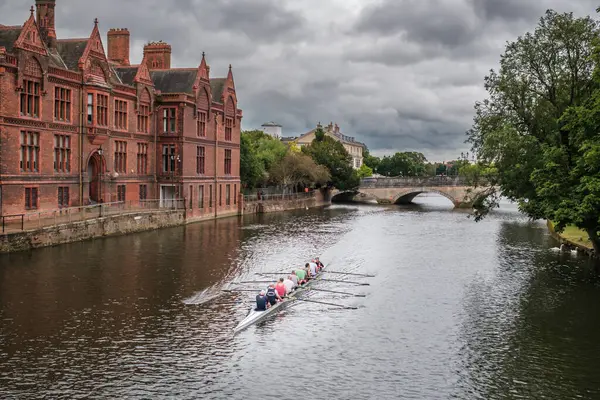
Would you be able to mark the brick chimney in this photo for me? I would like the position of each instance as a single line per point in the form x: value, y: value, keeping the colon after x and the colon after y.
x: 158, y: 55
x: 45, y: 21
x: 118, y: 46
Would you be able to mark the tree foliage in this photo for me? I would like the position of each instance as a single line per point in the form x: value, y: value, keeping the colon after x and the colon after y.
x: 251, y: 168
x: 298, y: 170
x: 259, y: 152
x: 370, y: 161
x: 330, y: 153
x: 364, y: 171
x: 535, y: 132
x: 403, y: 164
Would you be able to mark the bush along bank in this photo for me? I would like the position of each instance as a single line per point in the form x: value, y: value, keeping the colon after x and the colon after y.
x: 572, y: 238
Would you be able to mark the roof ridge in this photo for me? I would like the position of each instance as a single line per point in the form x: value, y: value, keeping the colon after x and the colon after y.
x: 73, y: 40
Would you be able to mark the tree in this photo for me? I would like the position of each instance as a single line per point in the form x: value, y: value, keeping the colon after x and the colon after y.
x: 251, y: 169
x: 364, y: 171
x: 536, y: 133
x: 403, y: 164
x: 332, y: 154
x: 297, y: 169
x: 369, y: 160
x: 265, y: 149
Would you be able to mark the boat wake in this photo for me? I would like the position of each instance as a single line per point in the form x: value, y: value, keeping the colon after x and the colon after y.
x: 204, y: 296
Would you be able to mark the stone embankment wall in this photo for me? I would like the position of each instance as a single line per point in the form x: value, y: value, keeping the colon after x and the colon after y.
x: 140, y: 221
x: 320, y: 198
x: 83, y: 230
x: 259, y: 207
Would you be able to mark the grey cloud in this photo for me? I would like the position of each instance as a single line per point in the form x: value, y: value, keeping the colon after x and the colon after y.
x: 398, y: 75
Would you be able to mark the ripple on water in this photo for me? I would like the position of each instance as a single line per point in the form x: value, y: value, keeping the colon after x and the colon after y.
x: 456, y: 310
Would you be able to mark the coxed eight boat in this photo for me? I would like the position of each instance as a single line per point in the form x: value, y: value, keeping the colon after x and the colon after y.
x: 255, y: 316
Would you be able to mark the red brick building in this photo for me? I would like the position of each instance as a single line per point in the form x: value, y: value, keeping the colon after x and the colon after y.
x: 79, y: 125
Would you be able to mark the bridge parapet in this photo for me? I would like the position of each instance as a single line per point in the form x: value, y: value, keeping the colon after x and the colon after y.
x: 431, y: 181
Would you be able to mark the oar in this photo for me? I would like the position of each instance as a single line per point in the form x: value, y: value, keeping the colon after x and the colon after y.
x: 350, y: 273
x: 335, y: 291
x: 255, y: 282
x: 341, y: 281
x: 240, y: 290
x: 329, y: 304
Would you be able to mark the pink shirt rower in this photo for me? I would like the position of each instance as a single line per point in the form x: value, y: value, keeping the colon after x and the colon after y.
x: 280, y: 287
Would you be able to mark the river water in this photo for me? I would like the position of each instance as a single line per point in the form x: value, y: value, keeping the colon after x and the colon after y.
x: 456, y: 309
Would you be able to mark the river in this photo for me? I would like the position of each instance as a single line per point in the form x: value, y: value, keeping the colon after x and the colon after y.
x: 456, y: 309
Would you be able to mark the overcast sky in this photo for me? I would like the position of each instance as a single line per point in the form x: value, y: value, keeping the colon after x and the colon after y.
x: 399, y: 75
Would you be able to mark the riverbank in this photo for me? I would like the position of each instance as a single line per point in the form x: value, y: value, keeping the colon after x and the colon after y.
x: 572, y: 237
x: 139, y: 221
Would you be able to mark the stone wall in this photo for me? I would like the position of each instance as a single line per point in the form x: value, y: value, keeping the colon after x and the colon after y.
x: 260, y: 207
x: 84, y: 230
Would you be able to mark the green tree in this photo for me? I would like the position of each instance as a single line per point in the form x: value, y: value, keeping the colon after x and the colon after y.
x: 403, y: 164
x: 369, y: 160
x: 251, y: 169
x: 297, y: 169
x: 263, y: 148
x: 364, y: 171
x: 332, y: 154
x: 536, y: 133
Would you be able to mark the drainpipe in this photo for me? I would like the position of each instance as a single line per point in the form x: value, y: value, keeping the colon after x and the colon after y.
x: 216, y: 167
x: 157, y: 156
x: 81, y: 133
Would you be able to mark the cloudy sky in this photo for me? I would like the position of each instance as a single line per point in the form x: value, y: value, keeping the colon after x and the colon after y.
x: 398, y: 75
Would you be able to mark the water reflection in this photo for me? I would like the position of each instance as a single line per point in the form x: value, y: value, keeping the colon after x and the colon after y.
x: 456, y: 310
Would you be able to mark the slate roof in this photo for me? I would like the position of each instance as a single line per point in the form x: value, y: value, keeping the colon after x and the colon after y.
x: 127, y: 74
x: 71, y: 51
x: 8, y: 36
x: 175, y: 80
x: 216, y: 87
x: 56, y: 60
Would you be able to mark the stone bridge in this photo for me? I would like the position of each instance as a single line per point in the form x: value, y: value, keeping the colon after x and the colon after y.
x: 404, y: 190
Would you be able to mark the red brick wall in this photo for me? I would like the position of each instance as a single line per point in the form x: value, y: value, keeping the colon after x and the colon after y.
x: 118, y: 45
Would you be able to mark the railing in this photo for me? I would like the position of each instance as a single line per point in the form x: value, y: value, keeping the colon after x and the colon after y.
x: 41, y: 219
x: 414, y: 181
x: 279, y: 197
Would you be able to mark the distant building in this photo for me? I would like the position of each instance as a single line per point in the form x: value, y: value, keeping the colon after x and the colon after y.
x: 272, y: 128
x: 353, y: 147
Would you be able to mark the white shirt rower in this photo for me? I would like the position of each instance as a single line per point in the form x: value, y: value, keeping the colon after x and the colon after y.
x: 289, y: 285
x: 313, y: 268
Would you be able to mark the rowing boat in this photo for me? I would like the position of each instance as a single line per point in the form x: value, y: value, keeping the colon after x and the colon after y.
x: 255, y: 316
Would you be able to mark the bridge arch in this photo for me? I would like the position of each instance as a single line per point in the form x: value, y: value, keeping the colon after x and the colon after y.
x: 407, y: 196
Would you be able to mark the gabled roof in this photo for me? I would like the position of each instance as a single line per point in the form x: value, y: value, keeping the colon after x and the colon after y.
x: 216, y: 87
x: 174, y: 80
x: 127, y: 74
x: 8, y: 36
x: 71, y: 51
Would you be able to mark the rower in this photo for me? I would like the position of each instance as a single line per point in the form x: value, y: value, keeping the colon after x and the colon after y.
x: 319, y: 264
x: 280, y: 288
x: 272, y: 295
x: 261, y: 301
x: 301, y: 274
x: 289, y: 285
x: 312, y: 269
x: 294, y: 278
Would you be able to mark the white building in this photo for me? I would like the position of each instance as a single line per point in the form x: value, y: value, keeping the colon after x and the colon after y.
x: 272, y: 128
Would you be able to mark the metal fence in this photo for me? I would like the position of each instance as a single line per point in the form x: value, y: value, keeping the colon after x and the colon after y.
x: 41, y: 219
x: 278, y: 197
